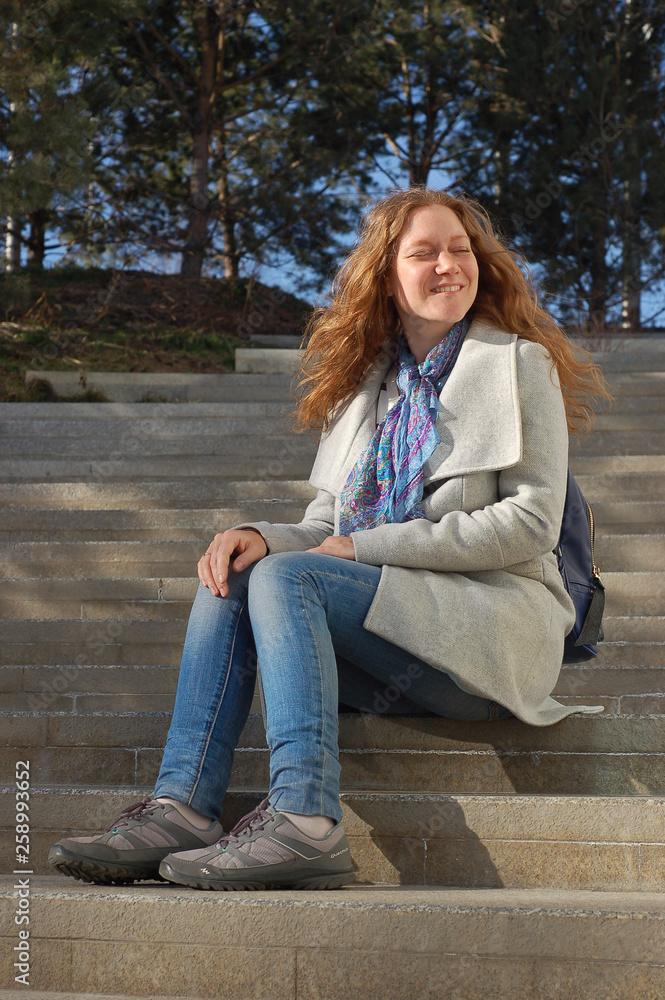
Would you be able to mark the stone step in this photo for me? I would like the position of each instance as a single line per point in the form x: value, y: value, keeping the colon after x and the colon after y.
x: 634, y: 628
x: 195, y: 446
x: 110, y: 645
x: 280, y: 464
x: 626, y: 593
x: 174, y: 494
x: 190, y: 387
x: 139, y: 525
x: 154, y: 524
x: 39, y: 610
x: 145, y: 688
x: 607, y: 843
x: 230, y: 419
x: 167, y: 430
x: 262, y: 360
x: 165, y: 630
x: 391, y: 941
x: 628, y: 464
x: 28, y: 994
x: 611, y: 517
x: 582, y: 755
x: 615, y: 553
x: 617, y: 628
x: 636, y: 364
x: 609, y: 443
x: 622, y: 690
x: 630, y: 552
x: 89, y: 689
x: 275, y: 464
x: 128, y: 589
x: 605, y: 488
x: 61, y: 420
x: 639, y: 420
x: 359, y: 733
x: 99, y: 559
x: 621, y: 487
x: 645, y: 357
x: 625, y: 403
x: 233, y: 437
x: 629, y: 383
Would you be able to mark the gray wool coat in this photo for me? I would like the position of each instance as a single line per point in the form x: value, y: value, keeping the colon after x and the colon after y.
x: 473, y: 588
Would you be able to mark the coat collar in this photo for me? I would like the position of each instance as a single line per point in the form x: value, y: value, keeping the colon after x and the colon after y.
x: 479, y: 421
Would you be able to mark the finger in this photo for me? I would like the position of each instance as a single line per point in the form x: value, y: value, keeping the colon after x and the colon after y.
x: 205, y: 574
x: 247, y: 554
x: 220, y: 561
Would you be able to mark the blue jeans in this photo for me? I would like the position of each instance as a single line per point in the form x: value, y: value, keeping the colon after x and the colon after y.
x: 300, y: 615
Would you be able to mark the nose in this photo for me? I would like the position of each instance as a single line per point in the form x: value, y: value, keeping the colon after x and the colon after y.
x: 446, y: 262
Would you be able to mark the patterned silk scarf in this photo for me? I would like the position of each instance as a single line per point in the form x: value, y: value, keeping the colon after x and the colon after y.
x: 386, y: 483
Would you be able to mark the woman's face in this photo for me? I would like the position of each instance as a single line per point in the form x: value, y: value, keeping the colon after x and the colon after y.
x: 433, y: 279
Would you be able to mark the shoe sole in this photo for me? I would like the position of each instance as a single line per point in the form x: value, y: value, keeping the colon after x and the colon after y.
x: 100, y: 872
x: 331, y: 881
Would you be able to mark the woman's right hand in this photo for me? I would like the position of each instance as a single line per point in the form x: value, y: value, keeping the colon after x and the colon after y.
x: 247, y: 544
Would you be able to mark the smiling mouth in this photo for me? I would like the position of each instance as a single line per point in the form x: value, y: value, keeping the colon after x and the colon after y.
x: 444, y: 289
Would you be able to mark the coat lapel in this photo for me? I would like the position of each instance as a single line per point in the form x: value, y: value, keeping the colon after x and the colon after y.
x: 350, y: 430
x: 479, y: 421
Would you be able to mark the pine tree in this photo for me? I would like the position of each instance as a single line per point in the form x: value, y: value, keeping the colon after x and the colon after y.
x: 210, y: 152
x: 44, y: 128
x: 576, y: 100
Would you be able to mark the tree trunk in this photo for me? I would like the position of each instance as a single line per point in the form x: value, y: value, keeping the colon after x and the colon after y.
x: 197, y: 224
x: 37, y: 239
x: 13, y: 243
x: 597, y: 298
x: 228, y: 229
x: 196, y: 238
x: 631, y: 259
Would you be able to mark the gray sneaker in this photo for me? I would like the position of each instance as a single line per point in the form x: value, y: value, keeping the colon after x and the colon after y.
x: 133, y: 846
x: 264, y: 850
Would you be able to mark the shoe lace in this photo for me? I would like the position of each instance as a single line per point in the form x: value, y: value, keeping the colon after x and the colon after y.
x: 133, y: 812
x: 254, y: 820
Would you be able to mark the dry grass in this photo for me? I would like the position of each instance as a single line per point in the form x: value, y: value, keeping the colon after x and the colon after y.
x: 131, y: 321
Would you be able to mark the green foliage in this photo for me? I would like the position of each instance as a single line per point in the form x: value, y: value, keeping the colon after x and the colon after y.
x: 242, y: 133
x: 575, y: 109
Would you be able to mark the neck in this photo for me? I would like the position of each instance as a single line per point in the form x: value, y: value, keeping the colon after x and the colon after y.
x: 421, y: 342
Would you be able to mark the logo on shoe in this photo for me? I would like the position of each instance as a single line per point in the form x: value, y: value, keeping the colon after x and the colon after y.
x: 337, y: 853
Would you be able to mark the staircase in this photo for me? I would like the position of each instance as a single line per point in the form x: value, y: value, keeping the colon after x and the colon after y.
x: 494, y: 860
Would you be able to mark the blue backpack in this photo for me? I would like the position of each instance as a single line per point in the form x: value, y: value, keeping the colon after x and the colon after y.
x: 581, y: 576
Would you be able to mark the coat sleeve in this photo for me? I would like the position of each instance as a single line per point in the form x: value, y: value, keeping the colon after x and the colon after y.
x: 523, y: 524
x: 317, y: 523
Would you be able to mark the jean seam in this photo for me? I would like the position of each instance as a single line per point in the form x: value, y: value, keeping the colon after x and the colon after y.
x: 219, y: 705
x: 347, y: 579
x: 320, y: 713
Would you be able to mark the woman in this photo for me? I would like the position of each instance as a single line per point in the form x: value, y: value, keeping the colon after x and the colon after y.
x: 421, y: 578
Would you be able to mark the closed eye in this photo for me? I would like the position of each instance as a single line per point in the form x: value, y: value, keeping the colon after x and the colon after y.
x: 433, y: 253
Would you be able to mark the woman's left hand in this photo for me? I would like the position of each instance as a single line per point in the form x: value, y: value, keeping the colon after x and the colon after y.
x: 336, y: 545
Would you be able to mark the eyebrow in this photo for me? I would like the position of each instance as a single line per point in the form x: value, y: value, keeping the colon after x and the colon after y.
x: 428, y: 243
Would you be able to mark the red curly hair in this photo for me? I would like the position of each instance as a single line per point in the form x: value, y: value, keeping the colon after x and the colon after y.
x: 345, y: 337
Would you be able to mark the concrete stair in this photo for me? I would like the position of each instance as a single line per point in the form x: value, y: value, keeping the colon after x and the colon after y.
x: 517, y: 841
x: 373, y: 943
x: 493, y: 860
